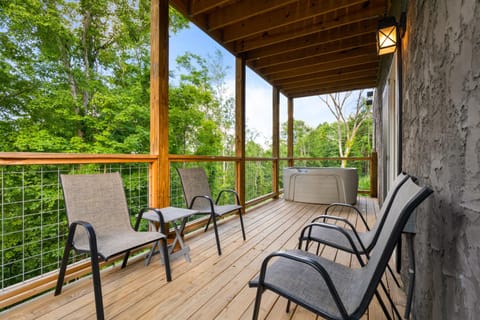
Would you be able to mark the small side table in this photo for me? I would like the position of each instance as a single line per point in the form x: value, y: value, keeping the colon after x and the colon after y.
x: 165, y: 215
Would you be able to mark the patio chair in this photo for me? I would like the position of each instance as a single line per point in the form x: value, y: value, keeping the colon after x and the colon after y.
x: 97, y: 203
x: 330, y: 289
x: 348, y: 238
x: 196, y: 191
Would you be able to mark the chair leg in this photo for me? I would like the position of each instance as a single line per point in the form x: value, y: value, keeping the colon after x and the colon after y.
x: 288, y: 305
x: 63, y: 266
x: 241, y: 223
x: 393, y: 276
x: 382, y: 304
x: 390, y: 300
x: 258, y: 299
x: 166, y: 260
x: 217, y: 238
x: 97, y: 286
x: 208, y: 223
x: 125, y: 259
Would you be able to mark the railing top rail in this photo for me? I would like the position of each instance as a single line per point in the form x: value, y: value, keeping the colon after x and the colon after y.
x: 186, y: 157
x: 26, y: 158
x: 33, y: 158
x: 326, y: 159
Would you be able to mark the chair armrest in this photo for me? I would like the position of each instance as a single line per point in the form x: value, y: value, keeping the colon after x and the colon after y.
x: 294, y: 256
x: 160, y: 219
x: 335, y: 218
x: 333, y: 205
x: 212, y: 206
x: 92, y: 237
x: 237, y: 198
x: 308, y: 229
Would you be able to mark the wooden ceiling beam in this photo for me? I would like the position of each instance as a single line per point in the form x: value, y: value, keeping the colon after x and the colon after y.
x: 242, y: 10
x: 337, y: 72
x: 330, y: 83
x: 318, y: 39
x: 323, y: 66
x: 294, y: 13
x: 329, y: 89
x: 287, y: 33
x: 315, y: 51
x: 329, y: 79
x: 197, y: 7
x: 312, y: 61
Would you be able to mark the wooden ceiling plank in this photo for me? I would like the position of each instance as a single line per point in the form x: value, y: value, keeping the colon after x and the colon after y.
x: 319, y: 39
x: 325, y: 90
x: 243, y: 10
x: 315, y: 51
x: 335, y: 73
x: 283, y: 16
x: 294, y: 31
x: 336, y: 82
x: 330, y: 79
x: 315, y: 60
x: 197, y: 7
x: 324, y: 66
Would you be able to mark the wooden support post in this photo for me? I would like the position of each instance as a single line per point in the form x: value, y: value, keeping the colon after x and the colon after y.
x: 159, y: 171
x: 275, y: 139
x: 240, y: 127
x: 290, y: 133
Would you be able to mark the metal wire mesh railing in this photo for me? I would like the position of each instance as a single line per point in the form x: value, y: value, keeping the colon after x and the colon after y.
x: 33, y: 219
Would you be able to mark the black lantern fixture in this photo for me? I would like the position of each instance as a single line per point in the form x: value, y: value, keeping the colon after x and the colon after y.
x: 387, y: 36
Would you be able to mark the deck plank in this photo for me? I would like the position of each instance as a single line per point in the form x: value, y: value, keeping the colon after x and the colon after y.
x: 211, y: 286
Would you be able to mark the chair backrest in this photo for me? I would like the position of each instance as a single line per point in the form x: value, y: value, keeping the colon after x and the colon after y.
x: 408, y: 197
x: 98, y: 199
x: 387, y: 203
x: 195, y: 183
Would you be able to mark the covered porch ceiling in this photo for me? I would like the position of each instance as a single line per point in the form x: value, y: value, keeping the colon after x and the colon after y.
x: 302, y: 47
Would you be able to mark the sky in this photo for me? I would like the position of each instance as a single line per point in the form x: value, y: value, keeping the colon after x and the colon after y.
x: 258, y: 92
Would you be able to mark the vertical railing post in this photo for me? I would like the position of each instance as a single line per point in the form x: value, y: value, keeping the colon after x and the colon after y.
x: 290, y: 137
x: 275, y: 139
x: 159, y: 176
x: 240, y: 127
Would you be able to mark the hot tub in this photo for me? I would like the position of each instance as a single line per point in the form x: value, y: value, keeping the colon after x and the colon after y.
x: 320, y: 185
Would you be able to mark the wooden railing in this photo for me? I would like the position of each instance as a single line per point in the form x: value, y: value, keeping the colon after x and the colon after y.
x: 31, y: 287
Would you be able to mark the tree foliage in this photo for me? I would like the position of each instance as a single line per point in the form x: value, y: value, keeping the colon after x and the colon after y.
x: 348, y: 123
x: 75, y: 75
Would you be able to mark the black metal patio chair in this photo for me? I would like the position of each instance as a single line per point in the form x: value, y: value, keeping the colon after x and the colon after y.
x: 97, y: 203
x: 198, y: 196
x: 348, y: 238
x: 330, y: 289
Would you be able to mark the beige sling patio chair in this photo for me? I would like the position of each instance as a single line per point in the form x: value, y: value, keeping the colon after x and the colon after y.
x: 97, y: 203
x: 196, y: 191
x: 330, y: 289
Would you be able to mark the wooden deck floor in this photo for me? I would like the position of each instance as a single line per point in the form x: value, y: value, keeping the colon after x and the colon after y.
x: 210, y: 287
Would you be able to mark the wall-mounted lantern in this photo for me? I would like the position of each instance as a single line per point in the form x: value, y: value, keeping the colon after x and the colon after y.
x: 387, y: 36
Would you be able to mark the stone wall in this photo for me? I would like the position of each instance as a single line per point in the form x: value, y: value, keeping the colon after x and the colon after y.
x: 441, y: 147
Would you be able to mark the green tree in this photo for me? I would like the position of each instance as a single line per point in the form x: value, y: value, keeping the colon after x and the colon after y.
x: 199, y: 115
x: 347, y: 123
x: 76, y: 75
